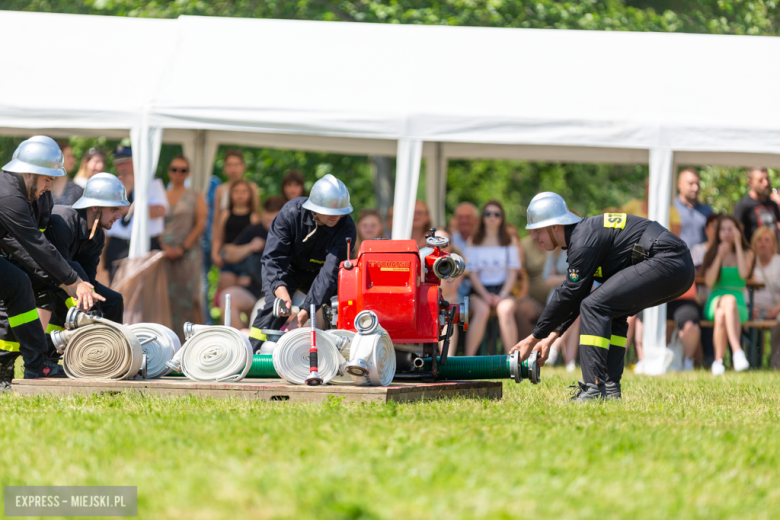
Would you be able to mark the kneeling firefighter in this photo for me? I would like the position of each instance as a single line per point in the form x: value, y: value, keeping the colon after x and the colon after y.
x: 35, y: 163
x: 639, y: 263
x: 77, y: 233
x: 305, y: 246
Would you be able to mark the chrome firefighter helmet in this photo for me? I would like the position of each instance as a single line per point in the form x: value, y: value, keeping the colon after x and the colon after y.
x: 549, y: 209
x: 39, y: 155
x: 103, y: 190
x: 329, y: 196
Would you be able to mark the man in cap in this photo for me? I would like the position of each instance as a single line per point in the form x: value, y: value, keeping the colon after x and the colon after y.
x: 36, y: 162
x: 639, y: 263
x: 305, y: 246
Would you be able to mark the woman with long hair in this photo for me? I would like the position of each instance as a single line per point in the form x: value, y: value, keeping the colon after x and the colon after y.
x: 492, y: 261
x: 293, y: 185
x: 92, y: 162
x: 241, y: 212
x: 766, y: 302
x: 369, y: 226
x: 421, y: 223
x: 727, y: 265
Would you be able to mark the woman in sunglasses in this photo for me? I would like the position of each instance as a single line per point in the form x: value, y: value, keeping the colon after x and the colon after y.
x: 180, y: 241
x: 493, y: 261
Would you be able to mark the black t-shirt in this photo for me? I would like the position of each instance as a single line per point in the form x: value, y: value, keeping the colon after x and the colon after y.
x: 252, y: 263
x: 753, y: 214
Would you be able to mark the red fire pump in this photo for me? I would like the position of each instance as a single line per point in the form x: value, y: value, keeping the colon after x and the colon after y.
x: 391, y: 278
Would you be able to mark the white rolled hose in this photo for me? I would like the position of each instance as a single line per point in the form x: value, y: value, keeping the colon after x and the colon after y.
x: 101, y: 349
x: 291, y: 356
x: 160, y: 344
x: 214, y: 354
x: 345, y: 338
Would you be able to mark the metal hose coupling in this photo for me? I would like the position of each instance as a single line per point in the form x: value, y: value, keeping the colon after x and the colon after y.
x: 528, y: 369
x: 343, y: 340
x: 213, y: 354
x: 372, y: 355
x: 77, y: 318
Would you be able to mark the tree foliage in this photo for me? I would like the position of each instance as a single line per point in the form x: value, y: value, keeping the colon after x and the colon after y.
x: 589, y: 188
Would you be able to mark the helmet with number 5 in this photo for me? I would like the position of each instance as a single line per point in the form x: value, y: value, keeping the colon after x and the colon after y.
x: 549, y: 209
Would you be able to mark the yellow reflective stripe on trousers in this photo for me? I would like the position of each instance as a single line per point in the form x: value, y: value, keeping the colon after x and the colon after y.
x: 257, y: 334
x: 594, y: 341
x: 618, y: 341
x: 51, y: 328
x: 71, y: 302
x: 21, y: 319
x: 12, y: 346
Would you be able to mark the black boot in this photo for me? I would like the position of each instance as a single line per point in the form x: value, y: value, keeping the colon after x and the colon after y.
x: 6, y: 374
x: 47, y: 369
x: 612, y: 390
x: 585, y: 392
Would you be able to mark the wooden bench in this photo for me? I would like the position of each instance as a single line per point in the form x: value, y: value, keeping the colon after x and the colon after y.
x: 752, y: 330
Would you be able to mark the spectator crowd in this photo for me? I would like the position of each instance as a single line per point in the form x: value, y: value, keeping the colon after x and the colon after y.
x: 509, y: 280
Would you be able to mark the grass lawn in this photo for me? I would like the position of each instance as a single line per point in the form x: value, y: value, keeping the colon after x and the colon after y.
x: 681, y: 446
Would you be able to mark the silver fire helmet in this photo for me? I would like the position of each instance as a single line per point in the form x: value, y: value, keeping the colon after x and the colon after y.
x: 39, y: 155
x: 549, y: 209
x: 103, y: 190
x: 329, y: 196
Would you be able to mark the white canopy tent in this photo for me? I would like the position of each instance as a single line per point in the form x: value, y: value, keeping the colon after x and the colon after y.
x: 412, y: 91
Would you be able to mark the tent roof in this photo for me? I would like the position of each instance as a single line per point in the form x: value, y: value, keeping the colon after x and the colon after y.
x: 464, y: 86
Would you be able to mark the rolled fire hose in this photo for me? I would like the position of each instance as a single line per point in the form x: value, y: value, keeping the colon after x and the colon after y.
x: 160, y: 344
x: 465, y: 368
x: 291, y: 356
x: 96, y: 348
x: 343, y: 340
x: 214, y: 354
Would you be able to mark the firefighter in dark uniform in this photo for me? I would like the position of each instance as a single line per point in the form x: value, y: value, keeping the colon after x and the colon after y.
x: 305, y: 246
x: 29, y: 174
x: 77, y: 233
x: 639, y: 263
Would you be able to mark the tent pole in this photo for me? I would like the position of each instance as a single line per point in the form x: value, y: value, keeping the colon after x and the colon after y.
x: 146, y: 142
x: 436, y: 185
x: 407, y: 176
x: 654, y: 337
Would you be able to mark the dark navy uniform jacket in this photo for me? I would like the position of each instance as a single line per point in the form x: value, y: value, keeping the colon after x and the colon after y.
x: 69, y: 233
x: 20, y: 233
x: 287, y: 256
x: 597, y: 248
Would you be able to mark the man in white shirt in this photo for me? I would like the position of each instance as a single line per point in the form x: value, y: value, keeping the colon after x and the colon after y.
x: 118, y: 246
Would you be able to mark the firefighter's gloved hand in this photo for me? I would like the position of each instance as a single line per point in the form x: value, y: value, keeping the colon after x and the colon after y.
x: 281, y: 292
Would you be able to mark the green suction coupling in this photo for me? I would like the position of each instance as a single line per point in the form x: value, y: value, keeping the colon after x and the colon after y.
x: 465, y: 368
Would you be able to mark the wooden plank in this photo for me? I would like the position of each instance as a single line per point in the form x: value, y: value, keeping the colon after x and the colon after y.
x: 264, y: 389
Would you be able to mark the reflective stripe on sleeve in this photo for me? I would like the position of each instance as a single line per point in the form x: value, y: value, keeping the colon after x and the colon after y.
x: 11, y: 346
x: 257, y: 334
x: 51, y: 328
x: 618, y: 341
x: 71, y: 302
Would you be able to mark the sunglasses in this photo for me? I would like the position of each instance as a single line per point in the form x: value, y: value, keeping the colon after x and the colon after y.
x: 496, y: 214
x: 177, y: 170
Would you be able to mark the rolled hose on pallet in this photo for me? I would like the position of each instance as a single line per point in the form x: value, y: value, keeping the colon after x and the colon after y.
x: 214, y: 354
x: 160, y: 344
x: 291, y: 356
x: 465, y: 368
x: 96, y: 348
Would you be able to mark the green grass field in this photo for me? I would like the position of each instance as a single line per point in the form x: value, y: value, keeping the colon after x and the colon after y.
x: 681, y: 446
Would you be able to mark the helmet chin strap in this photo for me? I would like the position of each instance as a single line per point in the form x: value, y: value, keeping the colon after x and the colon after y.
x: 552, y: 237
x: 98, y: 216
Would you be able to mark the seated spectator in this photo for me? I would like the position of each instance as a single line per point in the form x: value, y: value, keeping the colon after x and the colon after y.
x: 493, y: 262
x: 421, y: 223
x: 727, y: 264
x: 693, y: 214
x: 533, y: 295
x: 757, y: 209
x: 180, y: 241
x: 241, y: 213
x: 247, y: 249
x: 92, y: 162
x: 638, y: 207
x: 766, y: 301
x: 64, y: 191
x: 699, y: 250
x: 292, y: 185
x: 369, y: 226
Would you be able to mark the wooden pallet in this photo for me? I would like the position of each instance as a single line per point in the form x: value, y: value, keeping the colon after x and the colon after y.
x: 263, y: 389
